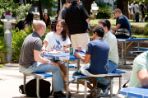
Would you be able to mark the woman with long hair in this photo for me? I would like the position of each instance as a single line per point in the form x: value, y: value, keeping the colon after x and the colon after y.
x: 58, y: 40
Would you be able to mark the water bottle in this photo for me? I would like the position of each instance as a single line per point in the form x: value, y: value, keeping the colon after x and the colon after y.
x: 71, y: 51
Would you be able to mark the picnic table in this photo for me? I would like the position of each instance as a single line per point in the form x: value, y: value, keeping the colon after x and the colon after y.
x: 134, y: 92
x: 125, y: 43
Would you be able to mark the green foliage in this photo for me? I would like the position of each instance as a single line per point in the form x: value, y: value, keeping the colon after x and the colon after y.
x: 140, y: 30
x: 17, y: 40
x: 1, y: 43
x: 1, y: 11
x: 146, y: 30
x: 54, y: 6
x: 103, y: 14
x: 22, y: 10
x: 1, y: 30
x: 7, y: 5
x: 18, y: 11
x: 2, y: 50
x: 105, y: 11
x: 1, y: 65
x: 137, y: 29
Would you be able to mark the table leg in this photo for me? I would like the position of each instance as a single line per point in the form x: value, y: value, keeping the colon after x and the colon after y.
x: 78, y: 64
x: 122, y: 52
x: 37, y: 87
x: 111, y: 88
x: 124, y: 55
x: 24, y: 87
x: 119, y: 84
x: 67, y: 82
x: 85, y: 89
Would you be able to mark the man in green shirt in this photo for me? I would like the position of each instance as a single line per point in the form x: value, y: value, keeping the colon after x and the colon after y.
x: 139, y: 76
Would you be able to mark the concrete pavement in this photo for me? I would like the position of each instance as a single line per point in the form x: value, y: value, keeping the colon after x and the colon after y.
x: 11, y: 78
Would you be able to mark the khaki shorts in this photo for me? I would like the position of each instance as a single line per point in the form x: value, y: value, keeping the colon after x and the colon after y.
x: 80, y: 40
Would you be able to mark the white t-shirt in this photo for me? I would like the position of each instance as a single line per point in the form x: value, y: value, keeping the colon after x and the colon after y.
x: 136, y: 8
x: 55, y: 41
x: 113, y: 52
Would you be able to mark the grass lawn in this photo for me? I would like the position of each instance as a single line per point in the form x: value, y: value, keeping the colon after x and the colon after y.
x: 1, y: 42
x: 94, y: 22
x: 141, y: 36
x: 1, y: 65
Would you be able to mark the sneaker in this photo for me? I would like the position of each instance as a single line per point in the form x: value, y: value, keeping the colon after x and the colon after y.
x: 94, y: 93
x: 105, y: 92
x: 59, y: 94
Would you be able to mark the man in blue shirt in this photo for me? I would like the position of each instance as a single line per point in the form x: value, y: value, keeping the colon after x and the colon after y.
x: 123, y: 27
x: 96, y: 54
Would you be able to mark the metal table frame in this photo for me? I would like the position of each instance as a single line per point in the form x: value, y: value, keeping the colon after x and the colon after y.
x: 124, y: 46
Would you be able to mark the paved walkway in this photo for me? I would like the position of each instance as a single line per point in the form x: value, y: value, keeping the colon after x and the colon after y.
x: 10, y: 79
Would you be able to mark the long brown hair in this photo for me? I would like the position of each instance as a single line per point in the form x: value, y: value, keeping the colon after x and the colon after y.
x: 65, y: 32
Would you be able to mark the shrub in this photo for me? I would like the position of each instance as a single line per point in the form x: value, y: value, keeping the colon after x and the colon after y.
x: 17, y: 40
x: 104, y: 12
x: 146, y: 30
x: 22, y: 10
x: 1, y: 30
x: 2, y: 50
x: 137, y: 30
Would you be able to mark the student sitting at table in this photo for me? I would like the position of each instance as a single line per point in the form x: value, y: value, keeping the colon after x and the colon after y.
x: 111, y: 39
x: 58, y: 40
x: 31, y: 60
x: 139, y: 76
x: 97, y: 56
x: 123, y: 27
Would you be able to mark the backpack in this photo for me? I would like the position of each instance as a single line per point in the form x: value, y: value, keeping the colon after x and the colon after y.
x: 44, y: 88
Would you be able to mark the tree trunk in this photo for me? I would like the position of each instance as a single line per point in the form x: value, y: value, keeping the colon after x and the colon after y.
x: 123, y: 5
x: 40, y: 9
x: 87, y: 4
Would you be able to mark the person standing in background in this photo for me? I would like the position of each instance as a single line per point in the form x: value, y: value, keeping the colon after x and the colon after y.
x: 46, y: 19
x: 76, y: 18
x: 142, y: 11
x: 136, y: 11
x: 62, y: 11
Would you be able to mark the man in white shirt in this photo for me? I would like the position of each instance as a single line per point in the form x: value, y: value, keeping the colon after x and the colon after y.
x: 113, y: 58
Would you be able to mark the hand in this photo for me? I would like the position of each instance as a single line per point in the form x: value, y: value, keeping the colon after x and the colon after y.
x: 113, y: 29
x: 77, y: 55
x: 43, y: 48
x: 66, y: 49
x: 54, y: 63
x: 78, y: 49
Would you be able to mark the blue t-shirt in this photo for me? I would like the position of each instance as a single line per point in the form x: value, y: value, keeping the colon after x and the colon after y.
x: 98, y: 49
x: 123, y: 21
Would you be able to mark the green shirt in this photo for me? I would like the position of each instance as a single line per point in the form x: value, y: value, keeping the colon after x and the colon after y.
x: 140, y: 63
